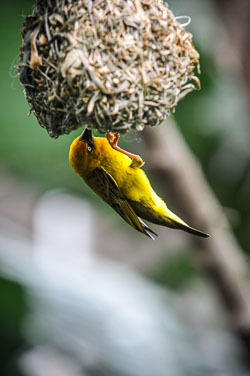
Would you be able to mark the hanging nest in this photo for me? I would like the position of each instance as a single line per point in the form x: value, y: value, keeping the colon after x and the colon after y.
x: 114, y: 65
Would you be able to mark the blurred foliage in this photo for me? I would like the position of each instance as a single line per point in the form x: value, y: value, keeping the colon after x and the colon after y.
x: 13, y: 308
x: 176, y: 272
x: 220, y: 144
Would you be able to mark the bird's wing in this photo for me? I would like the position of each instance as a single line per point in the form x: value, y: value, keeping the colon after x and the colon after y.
x: 106, y: 187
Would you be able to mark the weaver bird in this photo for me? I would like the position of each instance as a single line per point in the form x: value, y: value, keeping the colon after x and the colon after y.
x: 121, y: 183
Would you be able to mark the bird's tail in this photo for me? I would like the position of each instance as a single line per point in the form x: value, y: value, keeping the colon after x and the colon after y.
x: 191, y: 230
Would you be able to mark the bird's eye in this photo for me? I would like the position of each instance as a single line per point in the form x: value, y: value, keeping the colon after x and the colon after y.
x: 89, y: 149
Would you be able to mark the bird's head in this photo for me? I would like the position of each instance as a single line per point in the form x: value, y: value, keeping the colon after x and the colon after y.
x: 87, y: 140
x: 84, y: 153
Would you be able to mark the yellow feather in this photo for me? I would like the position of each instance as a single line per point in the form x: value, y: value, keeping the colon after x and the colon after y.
x: 122, y: 183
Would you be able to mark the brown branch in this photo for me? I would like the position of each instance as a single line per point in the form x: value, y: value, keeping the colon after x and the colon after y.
x: 220, y: 256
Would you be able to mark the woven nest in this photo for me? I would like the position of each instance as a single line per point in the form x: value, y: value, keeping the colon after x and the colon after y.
x: 114, y: 65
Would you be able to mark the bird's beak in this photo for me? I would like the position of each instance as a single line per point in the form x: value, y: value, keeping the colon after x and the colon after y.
x: 87, y: 136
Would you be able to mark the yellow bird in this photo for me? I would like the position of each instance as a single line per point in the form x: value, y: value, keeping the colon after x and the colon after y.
x: 121, y: 183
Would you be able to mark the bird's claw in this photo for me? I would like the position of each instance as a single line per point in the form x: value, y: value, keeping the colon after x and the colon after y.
x: 113, y: 141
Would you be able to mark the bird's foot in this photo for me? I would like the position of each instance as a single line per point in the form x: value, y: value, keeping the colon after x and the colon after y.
x: 113, y: 141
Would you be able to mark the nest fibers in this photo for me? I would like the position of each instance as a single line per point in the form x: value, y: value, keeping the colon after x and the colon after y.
x: 114, y: 65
